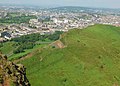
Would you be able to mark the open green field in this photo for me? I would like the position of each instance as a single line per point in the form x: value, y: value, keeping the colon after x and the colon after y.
x: 91, y: 58
x: 21, y: 46
x: 16, y: 19
x: 8, y: 48
x: 27, y: 51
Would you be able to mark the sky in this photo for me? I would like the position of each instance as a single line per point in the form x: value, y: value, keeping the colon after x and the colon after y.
x: 57, y: 3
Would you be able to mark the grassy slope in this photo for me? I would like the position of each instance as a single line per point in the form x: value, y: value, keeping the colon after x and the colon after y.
x: 27, y: 51
x: 91, y: 58
x: 8, y: 48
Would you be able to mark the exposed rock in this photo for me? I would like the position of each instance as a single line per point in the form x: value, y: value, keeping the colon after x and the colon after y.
x: 12, y: 74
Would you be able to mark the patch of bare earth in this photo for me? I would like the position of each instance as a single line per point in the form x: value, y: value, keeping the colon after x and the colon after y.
x: 58, y: 44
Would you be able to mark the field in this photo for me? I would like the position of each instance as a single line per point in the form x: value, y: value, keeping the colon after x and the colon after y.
x: 9, y: 47
x: 91, y: 57
x: 19, y: 47
x: 27, y: 51
x: 16, y: 19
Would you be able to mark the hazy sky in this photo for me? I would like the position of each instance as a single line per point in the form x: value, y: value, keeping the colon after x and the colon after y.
x: 88, y: 3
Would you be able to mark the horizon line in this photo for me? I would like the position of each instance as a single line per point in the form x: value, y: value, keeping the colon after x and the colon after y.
x: 55, y: 6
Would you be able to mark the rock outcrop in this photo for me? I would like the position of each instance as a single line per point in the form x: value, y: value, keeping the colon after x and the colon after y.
x: 12, y: 74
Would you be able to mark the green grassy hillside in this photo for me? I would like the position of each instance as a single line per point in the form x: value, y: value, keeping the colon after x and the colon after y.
x: 91, y: 58
x: 19, y: 47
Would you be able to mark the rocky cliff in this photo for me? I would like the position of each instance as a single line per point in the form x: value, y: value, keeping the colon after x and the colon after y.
x: 12, y: 74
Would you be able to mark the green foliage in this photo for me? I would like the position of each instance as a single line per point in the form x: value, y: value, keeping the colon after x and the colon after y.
x: 24, y: 46
x: 13, y: 14
x: 18, y: 50
x: 29, y: 41
x: 26, y: 52
x: 8, y: 47
x: 21, y: 46
x: 91, y: 58
x: 55, y: 36
x: 37, y: 37
x: 28, y: 38
x: 17, y: 19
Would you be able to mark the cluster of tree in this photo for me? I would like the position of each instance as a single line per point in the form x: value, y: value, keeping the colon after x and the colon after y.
x: 29, y: 41
x: 36, y: 37
x: 17, y: 19
x: 55, y: 36
x: 24, y: 46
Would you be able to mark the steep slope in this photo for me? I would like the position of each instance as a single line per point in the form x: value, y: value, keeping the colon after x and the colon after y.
x: 12, y: 74
x: 91, y: 58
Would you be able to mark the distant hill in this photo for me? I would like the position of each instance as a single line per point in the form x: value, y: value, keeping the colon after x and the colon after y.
x: 90, y: 57
x: 86, y: 9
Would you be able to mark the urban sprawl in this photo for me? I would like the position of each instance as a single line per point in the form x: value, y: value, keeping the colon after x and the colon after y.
x: 47, y: 21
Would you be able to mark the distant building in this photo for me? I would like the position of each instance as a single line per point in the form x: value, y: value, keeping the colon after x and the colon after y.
x: 6, y: 35
x: 32, y: 21
x: 55, y: 20
x: 66, y: 21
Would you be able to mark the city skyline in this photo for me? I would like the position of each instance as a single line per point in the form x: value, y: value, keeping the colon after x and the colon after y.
x: 55, y: 3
